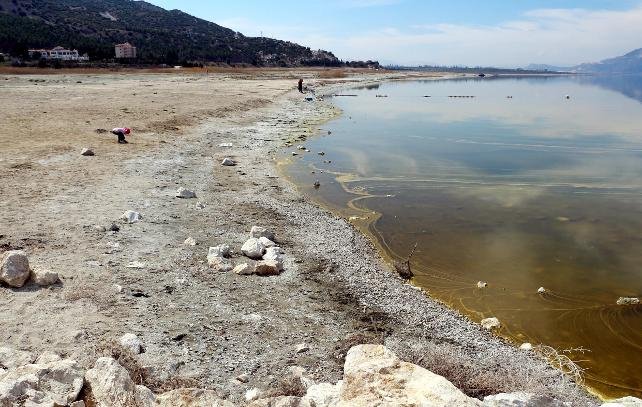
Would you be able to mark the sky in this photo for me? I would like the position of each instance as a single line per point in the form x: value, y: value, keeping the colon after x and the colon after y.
x: 505, y: 33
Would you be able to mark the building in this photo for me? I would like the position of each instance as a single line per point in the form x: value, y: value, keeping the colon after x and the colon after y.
x: 125, y: 50
x: 59, y: 53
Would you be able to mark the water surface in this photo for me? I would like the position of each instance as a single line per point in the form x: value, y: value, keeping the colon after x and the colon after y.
x: 517, y: 186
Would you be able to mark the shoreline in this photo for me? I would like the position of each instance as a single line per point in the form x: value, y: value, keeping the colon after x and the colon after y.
x: 336, y: 290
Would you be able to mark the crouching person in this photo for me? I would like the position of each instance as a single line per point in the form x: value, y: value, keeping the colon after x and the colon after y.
x: 121, y: 132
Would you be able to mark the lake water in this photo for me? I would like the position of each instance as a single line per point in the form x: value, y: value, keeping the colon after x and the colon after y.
x: 517, y: 186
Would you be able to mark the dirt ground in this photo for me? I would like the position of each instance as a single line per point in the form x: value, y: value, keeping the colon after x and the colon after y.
x: 198, y: 326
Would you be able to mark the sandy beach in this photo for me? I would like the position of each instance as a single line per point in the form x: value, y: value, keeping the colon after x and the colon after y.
x: 201, y: 327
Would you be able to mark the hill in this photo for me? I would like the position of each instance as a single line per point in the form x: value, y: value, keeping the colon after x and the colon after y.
x: 630, y: 63
x: 161, y: 36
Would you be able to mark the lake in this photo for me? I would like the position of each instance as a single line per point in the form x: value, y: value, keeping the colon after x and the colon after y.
x: 509, y: 182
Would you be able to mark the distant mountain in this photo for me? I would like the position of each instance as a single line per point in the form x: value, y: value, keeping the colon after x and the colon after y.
x: 161, y: 36
x: 630, y: 63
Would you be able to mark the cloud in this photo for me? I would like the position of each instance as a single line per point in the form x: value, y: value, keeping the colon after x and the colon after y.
x: 554, y: 36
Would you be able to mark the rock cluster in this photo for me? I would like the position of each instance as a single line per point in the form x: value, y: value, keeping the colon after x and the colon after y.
x: 15, y: 271
x: 268, y: 258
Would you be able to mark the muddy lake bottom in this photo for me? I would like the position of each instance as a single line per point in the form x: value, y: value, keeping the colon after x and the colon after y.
x: 518, y: 182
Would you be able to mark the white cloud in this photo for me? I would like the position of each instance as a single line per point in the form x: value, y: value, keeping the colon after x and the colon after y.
x: 555, y: 36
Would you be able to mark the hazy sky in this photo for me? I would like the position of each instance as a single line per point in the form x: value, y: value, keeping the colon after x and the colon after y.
x: 451, y: 32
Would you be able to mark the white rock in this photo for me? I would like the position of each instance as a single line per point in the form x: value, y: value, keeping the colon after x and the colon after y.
x: 482, y: 284
x: 541, y: 290
x: 490, y: 323
x: 628, y: 301
x: 53, y: 381
x: 226, y: 145
x: 275, y: 254
x: 11, y: 358
x: 220, y: 264
x: 110, y: 384
x: 243, y: 378
x: 267, y: 268
x: 259, y: 232
x: 44, y: 277
x: 47, y: 357
x: 132, y: 216
x: 300, y: 147
x: 301, y: 348
x: 228, y: 162
x: 185, y: 193
x: 221, y: 250
x: 253, y: 248
x: 624, y: 402
x: 294, y: 153
x: 14, y: 270
x: 526, y: 346
x: 135, y: 265
x: 252, y: 394
x: 87, y: 152
x: 132, y: 343
x: 372, y: 373
x: 266, y: 242
x: 520, y: 399
x: 322, y: 395
x: 243, y: 269
x: 190, y: 241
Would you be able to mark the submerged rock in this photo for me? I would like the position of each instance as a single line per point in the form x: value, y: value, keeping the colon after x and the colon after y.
x: 490, y: 323
x: 14, y: 269
x: 541, y: 290
x: 628, y: 301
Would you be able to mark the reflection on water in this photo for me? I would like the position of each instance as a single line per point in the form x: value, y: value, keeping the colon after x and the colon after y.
x: 518, y: 186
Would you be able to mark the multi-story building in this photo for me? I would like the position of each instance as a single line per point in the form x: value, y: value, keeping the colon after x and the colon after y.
x: 59, y: 53
x: 125, y: 50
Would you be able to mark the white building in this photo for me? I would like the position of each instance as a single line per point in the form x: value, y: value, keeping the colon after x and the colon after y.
x: 59, y: 53
x: 125, y: 50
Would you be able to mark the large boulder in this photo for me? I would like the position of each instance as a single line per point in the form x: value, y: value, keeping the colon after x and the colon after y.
x: 14, y: 269
x: 253, y: 248
x: 322, y: 395
x: 372, y: 373
x: 267, y: 268
x: 11, y: 358
x: 111, y: 385
x: 47, y: 382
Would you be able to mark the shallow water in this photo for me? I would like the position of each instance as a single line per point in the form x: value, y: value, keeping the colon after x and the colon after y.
x: 531, y: 191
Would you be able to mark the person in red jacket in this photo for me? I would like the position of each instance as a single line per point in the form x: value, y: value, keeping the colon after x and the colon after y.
x: 121, y: 132
x: 301, y: 85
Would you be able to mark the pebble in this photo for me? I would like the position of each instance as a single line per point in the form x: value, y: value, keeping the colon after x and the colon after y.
x: 482, y: 284
x: 228, y: 162
x: 87, y: 152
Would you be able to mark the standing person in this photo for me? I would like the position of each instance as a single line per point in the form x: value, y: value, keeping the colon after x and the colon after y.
x: 121, y: 132
x: 301, y: 85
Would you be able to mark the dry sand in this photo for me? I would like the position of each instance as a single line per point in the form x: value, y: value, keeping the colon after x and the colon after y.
x: 203, y: 327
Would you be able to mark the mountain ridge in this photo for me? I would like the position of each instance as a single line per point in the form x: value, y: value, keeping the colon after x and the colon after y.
x: 629, y: 63
x: 161, y: 36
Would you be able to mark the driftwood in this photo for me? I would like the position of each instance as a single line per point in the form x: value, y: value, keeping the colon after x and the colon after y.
x: 403, y: 268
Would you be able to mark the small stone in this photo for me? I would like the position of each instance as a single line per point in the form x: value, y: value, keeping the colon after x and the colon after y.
x: 131, y: 216
x: 135, y: 265
x: 190, y: 241
x: 294, y: 153
x: 228, y: 162
x: 114, y: 227
x: 541, y: 290
x: 301, y: 348
x: 300, y: 147
x: 317, y: 184
x: 221, y: 250
x: 275, y: 254
x: 243, y: 269
x: 220, y: 264
x: 15, y: 268
x: 482, y: 284
x: 226, y: 145
x: 321, y: 153
x: 253, y: 248
x: 131, y: 342
x: 628, y: 301
x: 490, y: 323
x: 118, y: 288
x: 252, y: 394
x: 44, y: 277
x: 184, y: 193
x: 526, y: 346
x: 87, y: 152
x: 267, y: 268
x: 200, y: 205
x: 100, y: 228
x: 258, y: 232
x: 243, y: 378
